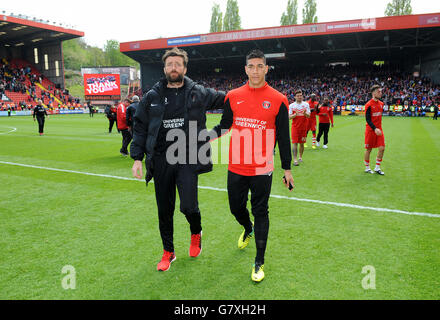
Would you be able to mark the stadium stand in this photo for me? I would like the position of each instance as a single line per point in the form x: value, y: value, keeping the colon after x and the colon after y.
x: 338, y: 59
x: 31, y: 64
x: 21, y: 84
x: 343, y: 85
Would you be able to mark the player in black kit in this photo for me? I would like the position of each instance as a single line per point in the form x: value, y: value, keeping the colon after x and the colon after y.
x: 40, y: 113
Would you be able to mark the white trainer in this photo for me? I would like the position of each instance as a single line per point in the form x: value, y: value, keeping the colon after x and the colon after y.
x: 325, y: 146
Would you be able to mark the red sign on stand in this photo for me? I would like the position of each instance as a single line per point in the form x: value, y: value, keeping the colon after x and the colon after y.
x: 102, y: 86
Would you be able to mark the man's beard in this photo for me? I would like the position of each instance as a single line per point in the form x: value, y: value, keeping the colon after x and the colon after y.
x: 178, y: 79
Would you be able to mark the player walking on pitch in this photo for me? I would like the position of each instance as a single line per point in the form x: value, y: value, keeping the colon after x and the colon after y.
x: 39, y: 114
x: 374, y: 137
x: 313, y: 104
x: 258, y: 116
x: 174, y: 105
x: 299, y: 112
x: 325, y: 114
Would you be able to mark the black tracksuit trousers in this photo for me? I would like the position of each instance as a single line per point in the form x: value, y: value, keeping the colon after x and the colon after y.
x: 126, y: 139
x: 40, y: 124
x: 238, y: 190
x: 324, y: 128
x: 166, y: 178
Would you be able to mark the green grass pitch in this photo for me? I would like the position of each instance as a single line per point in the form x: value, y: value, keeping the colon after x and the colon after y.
x: 107, y: 228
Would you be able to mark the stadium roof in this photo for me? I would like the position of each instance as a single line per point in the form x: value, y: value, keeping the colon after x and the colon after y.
x: 343, y: 40
x: 16, y: 31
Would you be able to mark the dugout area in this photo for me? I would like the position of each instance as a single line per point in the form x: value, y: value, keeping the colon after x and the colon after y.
x: 407, y: 43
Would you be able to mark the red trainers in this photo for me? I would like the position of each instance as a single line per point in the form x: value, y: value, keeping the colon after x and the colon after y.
x: 196, y: 245
x: 165, y: 263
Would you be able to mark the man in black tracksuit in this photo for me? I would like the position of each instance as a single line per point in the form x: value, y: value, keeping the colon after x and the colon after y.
x: 39, y: 114
x: 131, y: 110
x: 174, y: 106
x: 110, y: 112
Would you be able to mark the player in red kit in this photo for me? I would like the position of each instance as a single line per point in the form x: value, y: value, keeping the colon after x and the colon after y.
x: 325, y: 114
x: 313, y: 104
x: 374, y: 137
x: 258, y: 116
x: 121, y: 115
x: 299, y: 112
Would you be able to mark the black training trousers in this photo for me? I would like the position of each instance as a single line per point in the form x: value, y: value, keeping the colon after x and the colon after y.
x: 323, y: 129
x: 110, y: 125
x: 126, y: 139
x: 40, y: 124
x: 166, y: 178
x: 238, y: 190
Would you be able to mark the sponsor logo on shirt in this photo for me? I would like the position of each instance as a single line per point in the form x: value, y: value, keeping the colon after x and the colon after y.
x: 173, y: 123
x: 250, y: 123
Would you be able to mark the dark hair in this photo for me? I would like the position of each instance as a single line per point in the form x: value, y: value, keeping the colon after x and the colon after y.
x: 255, y: 54
x: 176, y: 52
x: 298, y: 92
x: 375, y: 87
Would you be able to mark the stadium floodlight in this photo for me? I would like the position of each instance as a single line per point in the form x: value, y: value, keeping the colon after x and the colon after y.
x: 7, y: 45
x: 19, y: 44
x: 2, y: 33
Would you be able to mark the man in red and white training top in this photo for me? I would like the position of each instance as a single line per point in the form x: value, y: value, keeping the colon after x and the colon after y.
x: 258, y: 116
x: 299, y: 112
x: 374, y: 137
x: 313, y: 104
x: 121, y: 115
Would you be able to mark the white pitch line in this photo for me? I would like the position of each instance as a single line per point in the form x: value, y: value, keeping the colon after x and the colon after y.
x: 13, y: 130
x: 338, y: 204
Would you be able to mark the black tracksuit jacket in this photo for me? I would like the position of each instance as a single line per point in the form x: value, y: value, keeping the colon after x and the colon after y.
x: 149, y: 115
